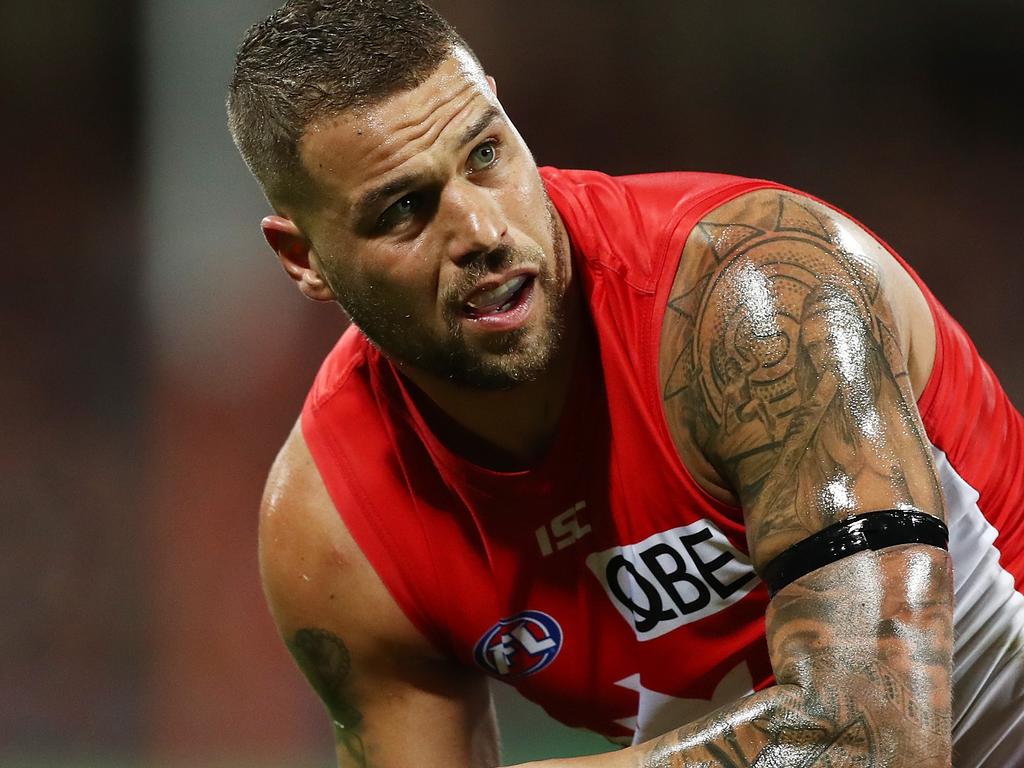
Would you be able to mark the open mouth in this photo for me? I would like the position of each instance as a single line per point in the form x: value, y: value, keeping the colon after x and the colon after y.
x: 507, y: 298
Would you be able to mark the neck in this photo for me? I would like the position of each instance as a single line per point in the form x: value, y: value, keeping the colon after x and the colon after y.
x: 504, y: 429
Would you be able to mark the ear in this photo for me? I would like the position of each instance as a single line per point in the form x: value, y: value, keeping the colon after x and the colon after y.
x: 493, y: 83
x: 293, y: 251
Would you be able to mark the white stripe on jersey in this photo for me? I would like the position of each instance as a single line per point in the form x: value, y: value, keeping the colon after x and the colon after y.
x: 988, y: 649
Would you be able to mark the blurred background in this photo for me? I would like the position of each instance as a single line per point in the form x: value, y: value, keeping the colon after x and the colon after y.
x: 153, y: 357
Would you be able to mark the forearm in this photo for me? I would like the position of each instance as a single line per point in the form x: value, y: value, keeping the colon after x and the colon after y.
x: 864, y: 673
x: 785, y: 726
x: 788, y: 726
x: 864, y: 677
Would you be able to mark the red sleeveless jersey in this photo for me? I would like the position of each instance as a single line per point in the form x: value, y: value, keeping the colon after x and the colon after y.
x: 604, y: 583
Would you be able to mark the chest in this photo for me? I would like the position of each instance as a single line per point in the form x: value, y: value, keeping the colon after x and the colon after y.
x: 607, y: 591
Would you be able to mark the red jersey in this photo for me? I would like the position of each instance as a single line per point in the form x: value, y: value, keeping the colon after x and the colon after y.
x: 604, y: 583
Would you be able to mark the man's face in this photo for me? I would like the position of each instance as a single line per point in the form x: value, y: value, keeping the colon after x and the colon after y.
x: 435, y: 231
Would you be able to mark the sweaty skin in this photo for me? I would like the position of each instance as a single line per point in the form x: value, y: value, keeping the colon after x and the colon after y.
x: 392, y: 698
x: 423, y: 200
x: 791, y: 350
x: 413, y: 214
x: 862, y: 648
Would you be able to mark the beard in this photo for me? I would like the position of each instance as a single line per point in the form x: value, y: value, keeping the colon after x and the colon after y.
x: 501, y: 360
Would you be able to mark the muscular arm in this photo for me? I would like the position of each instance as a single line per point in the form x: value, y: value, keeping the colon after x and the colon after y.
x: 862, y: 676
x: 391, y: 699
x: 787, y: 390
x: 785, y: 367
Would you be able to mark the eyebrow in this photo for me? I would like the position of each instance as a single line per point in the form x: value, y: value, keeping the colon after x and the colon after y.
x: 479, y: 125
x: 371, y: 198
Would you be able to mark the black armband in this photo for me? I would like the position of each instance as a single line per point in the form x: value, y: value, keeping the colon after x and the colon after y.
x: 872, y: 530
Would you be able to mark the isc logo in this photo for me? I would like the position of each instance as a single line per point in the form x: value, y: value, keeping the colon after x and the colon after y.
x: 565, y: 530
x: 673, y: 578
x: 520, y: 645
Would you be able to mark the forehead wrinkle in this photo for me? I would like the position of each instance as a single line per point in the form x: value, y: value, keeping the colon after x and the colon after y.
x: 423, y: 132
x: 429, y: 127
x: 366, y: 200
x: 371, y: 142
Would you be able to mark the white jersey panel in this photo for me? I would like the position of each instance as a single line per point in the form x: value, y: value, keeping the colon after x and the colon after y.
x: 988, y: 649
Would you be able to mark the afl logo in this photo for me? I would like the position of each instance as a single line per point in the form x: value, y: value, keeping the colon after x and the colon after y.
x: 519, y: 646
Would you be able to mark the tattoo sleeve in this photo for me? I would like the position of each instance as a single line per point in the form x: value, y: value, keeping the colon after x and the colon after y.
x: 326, y: 663
x: 782, y: 369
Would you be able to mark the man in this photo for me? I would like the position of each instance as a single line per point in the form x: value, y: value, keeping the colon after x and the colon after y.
x: 675, y: 455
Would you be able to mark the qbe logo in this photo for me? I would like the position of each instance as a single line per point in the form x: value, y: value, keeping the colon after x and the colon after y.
x: 520, y: 645
x: 673, y: 578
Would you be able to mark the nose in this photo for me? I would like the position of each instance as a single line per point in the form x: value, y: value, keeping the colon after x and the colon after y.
x: 476, y: 222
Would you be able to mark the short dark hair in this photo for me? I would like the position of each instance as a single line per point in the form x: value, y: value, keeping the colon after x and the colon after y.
x: 312, y: 59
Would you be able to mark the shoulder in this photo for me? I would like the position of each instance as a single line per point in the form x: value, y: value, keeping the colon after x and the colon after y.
x: 775, y: 230
x: 646, y: 197
x: 313, y: 572
x: 754, y: 274
x: 631, y: 225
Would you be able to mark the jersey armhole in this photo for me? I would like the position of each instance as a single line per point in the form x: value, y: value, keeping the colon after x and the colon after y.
x: 359, y: 512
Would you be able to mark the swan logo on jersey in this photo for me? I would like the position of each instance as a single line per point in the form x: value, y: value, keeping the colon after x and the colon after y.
x: 673, y: 578
x: 519, y: 646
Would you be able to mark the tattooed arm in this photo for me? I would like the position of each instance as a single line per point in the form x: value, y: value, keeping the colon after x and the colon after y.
x: 785, y: 360
x: 392, y: 700
x: 789, y: 384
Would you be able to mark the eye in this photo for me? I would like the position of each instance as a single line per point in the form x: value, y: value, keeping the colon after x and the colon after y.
x: 401, y: 210
x: 483, y: 157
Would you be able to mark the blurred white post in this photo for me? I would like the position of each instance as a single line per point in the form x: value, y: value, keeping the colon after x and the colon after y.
x: 225, y: 325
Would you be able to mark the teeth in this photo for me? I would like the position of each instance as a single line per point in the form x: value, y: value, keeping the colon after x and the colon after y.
x: 490, y: 300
